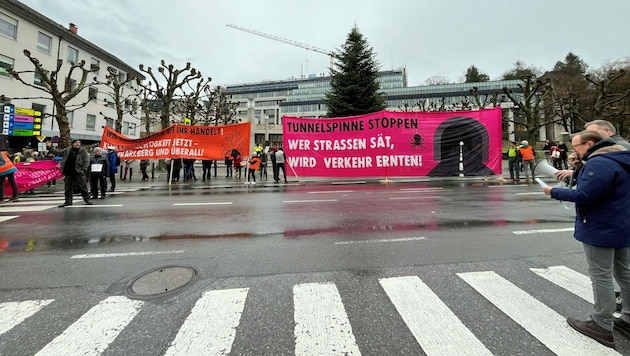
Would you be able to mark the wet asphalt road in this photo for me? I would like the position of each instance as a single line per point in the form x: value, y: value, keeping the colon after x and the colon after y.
x: 272, y: 237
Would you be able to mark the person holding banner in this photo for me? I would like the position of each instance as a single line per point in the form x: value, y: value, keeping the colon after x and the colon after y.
x: 280, y: 158
x: 75, y: 162
x: 99, y: 167
x: 7, y: 170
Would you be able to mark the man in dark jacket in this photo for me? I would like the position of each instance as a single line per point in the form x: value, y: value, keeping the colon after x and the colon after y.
x: 602, y: 222
x: 75, y: 162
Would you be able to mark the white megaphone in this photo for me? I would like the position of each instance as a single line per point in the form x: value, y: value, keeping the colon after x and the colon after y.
x: 543, y: 168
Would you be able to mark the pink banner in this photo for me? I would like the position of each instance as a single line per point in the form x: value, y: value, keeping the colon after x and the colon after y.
x: 31, y: 175
x: 395, y: 144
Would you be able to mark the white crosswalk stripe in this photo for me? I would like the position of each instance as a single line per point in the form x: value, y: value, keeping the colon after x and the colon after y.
x: 92, y: 333
x: 433, y: 324
x: 13, y: 313
x: 211, y: 327
x: 539, y: 320
x: 321, y: 324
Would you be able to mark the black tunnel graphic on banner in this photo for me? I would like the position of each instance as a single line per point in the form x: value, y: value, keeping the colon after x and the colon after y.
x: 461, y: 145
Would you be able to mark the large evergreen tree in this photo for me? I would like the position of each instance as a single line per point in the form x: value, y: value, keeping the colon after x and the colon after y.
x: 355, y: 90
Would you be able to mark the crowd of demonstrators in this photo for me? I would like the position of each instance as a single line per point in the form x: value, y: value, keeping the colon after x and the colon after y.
x: 602, y: 222
x: 7, y: 171
x: 74, y: 166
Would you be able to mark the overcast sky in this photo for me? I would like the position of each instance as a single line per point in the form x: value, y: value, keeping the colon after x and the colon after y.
x: 428, y: 37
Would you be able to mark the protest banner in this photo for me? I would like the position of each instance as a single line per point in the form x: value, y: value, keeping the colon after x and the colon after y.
x: 180, y: 141
x: 395, y: 144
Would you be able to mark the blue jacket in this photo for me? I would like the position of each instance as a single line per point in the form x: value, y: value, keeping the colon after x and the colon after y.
x: 113, y: 159
x: 602, y: 197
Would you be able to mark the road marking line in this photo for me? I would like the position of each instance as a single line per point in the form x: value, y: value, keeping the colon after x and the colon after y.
x: 564, y: 277
x: 416, y: 197
x: 542, y: 231
x: 94, y: 206
x: 96, y: 329
x: 403, y: 239
x: 321, y: 323
x: 332, y: 192
x: 412, y: 190
x: 210, y: 328
x: 196, y: 204
x: 539, y: 320
x: 6, y: 218
x: 126, y: 254
x: 531, y: 193
x: 309, y: 201
x: 13, y: 313
x: 419, y: 306
x: 23, y: 202
x: 10, y: 209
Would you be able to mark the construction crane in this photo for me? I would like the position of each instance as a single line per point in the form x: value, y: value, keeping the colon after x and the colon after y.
x: 288, y: 41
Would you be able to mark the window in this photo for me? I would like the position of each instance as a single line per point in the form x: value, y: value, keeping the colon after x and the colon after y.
x: 72, y: 83
x: 8, y: 26
x: 90, y: 122
x: 122, y: 76
x: 37, y: 79
x: 44, y: 42
x: 70, y: 116
x: 6, y: 65
x: 73, y: 55
x: 132, y: 129
x: 95, y: 65
x: 92, y: 93
x: 127, y: 104
x: 125, y: 128
x: 109, y: 122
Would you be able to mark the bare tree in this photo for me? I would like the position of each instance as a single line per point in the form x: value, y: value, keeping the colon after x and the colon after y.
x: 436, y: 80
x: 61, y: 97
x: 123, y: 103
x: 167, y: 93
x: 536, y: 94
x: 191, y: 104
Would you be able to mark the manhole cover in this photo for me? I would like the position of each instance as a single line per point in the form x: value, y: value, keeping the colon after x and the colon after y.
x: 160, y: 281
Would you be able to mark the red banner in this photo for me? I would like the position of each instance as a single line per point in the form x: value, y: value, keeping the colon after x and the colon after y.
x: 31, y: 175
x: 181, y: 141
x: 395, y: 144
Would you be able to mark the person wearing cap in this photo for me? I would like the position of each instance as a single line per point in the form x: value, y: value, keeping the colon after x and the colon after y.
x: 74, y: 165
x: 514, y: 159
x: 529, y: 159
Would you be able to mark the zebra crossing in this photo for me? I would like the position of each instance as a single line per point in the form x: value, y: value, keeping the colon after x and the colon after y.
x: 321, y: 324
x: 38, y: 203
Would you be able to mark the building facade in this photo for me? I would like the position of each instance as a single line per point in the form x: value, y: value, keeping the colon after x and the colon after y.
x: 22, y: 28
x: 264, y: 103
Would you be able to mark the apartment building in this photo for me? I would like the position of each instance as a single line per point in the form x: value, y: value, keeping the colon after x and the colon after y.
x: 22, y: 28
